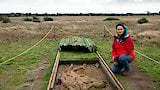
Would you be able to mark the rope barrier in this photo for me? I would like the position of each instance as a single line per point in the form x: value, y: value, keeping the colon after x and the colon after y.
x: 135, y: 50
x: 147, y: 57
x: 28, y: 48
x: 108, y: 30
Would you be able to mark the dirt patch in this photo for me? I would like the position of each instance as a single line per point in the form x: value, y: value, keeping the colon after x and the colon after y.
x: 35, y: 77
x: 138, y: 80
x: 76, y: 77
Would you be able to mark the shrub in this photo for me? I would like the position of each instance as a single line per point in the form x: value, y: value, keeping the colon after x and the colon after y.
x: 142, y: 20
x: 27, y: 19
x: 48, y: 19
x: 0, y: 18
x: 34, y: 17
x: 36, y: 20
x: 25, y: 85
x: 6, y: 20
x: 111, y: 18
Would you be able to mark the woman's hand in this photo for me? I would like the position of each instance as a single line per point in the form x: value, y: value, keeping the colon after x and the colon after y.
x: 114, y: 61
x: 113, y: 58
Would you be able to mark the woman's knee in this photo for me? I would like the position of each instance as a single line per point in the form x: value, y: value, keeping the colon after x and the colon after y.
x: 123, y: 59
x: 115, y: 69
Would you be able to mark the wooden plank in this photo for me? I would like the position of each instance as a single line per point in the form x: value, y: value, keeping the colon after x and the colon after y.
x: 54, y: 72
x: 110, y: 73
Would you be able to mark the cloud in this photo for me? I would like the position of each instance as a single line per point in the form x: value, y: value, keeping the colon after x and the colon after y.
x: 78, y: 6
x: 138, y: 0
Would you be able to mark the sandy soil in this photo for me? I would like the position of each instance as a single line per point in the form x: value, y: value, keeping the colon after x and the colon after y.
x: 91, y: 71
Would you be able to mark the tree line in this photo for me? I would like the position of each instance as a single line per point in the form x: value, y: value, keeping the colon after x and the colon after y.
x: 75, y: 14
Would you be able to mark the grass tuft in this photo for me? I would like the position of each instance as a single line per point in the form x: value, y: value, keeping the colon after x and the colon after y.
x: 27, y: 19
x: 142, y: 20
x: 47, y: 19
x: 25, y: 85
x: 6, y: 20
x: 111, y: 18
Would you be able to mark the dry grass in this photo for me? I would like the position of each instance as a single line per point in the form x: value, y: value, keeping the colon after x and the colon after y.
x: 79, y: 26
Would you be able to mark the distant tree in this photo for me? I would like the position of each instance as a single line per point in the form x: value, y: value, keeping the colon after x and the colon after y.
x: 27, y: 14
x: 30, y: 14
x: 129, y: 14
x: 81, y: 14
x: 36, y: 14
x: 45, y: 14
x: 148, y: 13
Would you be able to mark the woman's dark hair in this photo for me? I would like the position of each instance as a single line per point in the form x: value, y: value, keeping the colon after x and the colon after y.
x: 123, y: 28
x: 120, y: 25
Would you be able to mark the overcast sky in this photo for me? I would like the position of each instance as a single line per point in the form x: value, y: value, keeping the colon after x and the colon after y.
x: 79, y: 6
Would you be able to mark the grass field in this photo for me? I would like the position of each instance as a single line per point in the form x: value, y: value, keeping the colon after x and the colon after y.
x: 32, y: 69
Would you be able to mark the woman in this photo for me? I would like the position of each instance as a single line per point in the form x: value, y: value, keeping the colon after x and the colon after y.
x: 122, y: 50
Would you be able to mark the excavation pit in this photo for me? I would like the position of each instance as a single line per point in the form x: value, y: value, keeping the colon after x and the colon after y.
x: 78, y: 76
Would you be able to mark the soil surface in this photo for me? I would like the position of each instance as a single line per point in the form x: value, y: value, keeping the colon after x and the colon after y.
x: 90, y: 71
x: 137, y: 80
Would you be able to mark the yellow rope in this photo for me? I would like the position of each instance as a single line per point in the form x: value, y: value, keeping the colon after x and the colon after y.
x: 28, y: 48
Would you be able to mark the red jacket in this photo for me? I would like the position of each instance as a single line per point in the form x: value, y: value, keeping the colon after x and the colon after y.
x: 126, y: 47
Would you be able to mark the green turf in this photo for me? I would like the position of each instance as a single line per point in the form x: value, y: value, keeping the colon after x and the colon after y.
x: 16, y: 68
x: 77, y: 55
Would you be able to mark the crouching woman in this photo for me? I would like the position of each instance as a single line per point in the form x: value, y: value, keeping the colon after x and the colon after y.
x: 122, y: 50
